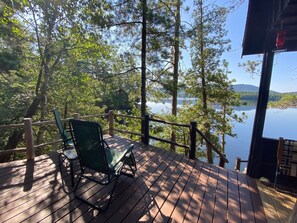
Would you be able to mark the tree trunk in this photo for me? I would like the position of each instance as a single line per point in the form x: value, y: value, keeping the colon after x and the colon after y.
x: 143, y: 63
x: 175, y: 69
x: 203, y: 88
x: 43, y: 92
x: 17, y: 134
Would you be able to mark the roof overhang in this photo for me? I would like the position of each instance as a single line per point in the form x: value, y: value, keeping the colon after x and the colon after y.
x: 265, y: 19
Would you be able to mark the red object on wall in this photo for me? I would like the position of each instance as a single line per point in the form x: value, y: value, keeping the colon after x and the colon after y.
x: 280, y: 39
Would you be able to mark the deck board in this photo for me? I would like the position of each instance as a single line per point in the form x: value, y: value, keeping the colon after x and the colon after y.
x: 278, y: 206
x: 247, y: 214
x: 194, y: 210
x: 166, y: 188
x: 221, y: 201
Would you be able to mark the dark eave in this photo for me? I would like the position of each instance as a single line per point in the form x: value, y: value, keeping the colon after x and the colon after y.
x: 265, y: 18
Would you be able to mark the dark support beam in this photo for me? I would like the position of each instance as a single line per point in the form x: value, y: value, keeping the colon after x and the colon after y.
x: 256, y: 150
x: 193, y: 128
x: 222, y: 162
x: 143, y: 64
x: 146, y: 129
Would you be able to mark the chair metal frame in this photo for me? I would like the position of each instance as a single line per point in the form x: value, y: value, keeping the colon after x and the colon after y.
x: 96, y: 147
x: 68, y: 150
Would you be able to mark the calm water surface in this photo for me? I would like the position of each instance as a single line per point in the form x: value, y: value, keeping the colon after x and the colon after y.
x: 278, y: 123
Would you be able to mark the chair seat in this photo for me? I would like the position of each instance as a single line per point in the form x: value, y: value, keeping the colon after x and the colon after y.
x: 114, y: 156
x: 94, y: 154
x: 70, y: 153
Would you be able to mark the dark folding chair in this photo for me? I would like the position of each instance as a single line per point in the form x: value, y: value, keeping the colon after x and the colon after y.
x: 94, y: 154
x: 68, y: 150
x: 286, y: 165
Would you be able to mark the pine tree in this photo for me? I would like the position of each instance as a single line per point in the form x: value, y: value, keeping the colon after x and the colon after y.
x: 207, y: 46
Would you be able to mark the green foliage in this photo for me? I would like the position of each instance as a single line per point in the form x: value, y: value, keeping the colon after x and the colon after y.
x: 83, y: 57
x: 253, y: 96
x: 286, y: 101
x: 50, y: 51
x: 252, y: 67
x: 208, y: 80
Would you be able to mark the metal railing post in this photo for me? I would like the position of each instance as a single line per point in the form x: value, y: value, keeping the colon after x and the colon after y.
x: 146, y: 124
x: 222, y: 161
x: 193, y: 127
x: 237, y: 163
x: 111, y: 123
x: 29, y: 138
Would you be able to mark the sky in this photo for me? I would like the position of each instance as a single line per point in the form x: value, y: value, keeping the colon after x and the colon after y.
x: 284, y: 76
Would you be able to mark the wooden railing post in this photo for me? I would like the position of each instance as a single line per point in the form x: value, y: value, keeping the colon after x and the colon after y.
x: 76, y: 116
x: 193, y: 127
x: 237, y: 163
x: 29, y: 138
x: 222, y: 161
x: 111, y: 123
x: 146, y: 129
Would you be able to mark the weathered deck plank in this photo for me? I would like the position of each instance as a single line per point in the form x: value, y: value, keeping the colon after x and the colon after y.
x: 278, y: 206
x: 234, y: 209
x: 166, y: 188
x: 221, y: 202
x: 194, y: 209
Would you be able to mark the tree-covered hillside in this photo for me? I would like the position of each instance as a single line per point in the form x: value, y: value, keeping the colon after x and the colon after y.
x: 276, y: 99
x: 253, y: 96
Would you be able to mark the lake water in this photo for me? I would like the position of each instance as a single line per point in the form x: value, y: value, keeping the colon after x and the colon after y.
x: 278, y: 123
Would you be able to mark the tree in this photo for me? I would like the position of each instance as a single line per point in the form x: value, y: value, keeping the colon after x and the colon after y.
x: 207, y: 45
x: 143, y: 63
x: 60, y: 39
x: 252, y: 67
x: 176, y: 56
x: 167, y: 52
x: 159, y: 43
x: 15, y: 73
x: 227, y: 99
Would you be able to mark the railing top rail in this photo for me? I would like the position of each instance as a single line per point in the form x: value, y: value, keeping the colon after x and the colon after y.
x: 170, y: 142
x: 12, y: 126
x: 92, y: 116
x: 222, y: 156
x: 129, y: 116
x: 170, y: 123
x: 40, y: 123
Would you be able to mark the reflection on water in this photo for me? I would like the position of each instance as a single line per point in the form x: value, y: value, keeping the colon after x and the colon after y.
x: 278, y: 123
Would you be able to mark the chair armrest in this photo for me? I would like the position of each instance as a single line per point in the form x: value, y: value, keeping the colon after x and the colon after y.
x: 104, y: 142
x: 122, y: 158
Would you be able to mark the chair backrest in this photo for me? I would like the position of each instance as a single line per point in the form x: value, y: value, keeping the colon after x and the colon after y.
x: 89, y: 144
x: 65, y: 137
x: 287, y: 157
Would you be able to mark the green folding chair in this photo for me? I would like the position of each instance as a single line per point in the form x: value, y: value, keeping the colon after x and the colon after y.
x: 94, y: 154
x: 68, y: 151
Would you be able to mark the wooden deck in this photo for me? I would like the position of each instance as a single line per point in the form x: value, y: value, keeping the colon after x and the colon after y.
x: 278, y: 206
x: 167, y: 188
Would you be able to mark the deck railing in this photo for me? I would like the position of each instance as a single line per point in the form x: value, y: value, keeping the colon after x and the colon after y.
x: 145, y: 136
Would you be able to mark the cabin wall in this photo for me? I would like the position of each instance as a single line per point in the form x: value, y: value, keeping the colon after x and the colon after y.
x: 262, y: 163
x: 267, y: 166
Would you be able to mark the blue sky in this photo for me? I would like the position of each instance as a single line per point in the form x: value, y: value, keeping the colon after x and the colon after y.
x: 284, y: 77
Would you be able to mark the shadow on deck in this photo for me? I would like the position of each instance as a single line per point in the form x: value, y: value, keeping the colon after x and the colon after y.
x: 167, y: 188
